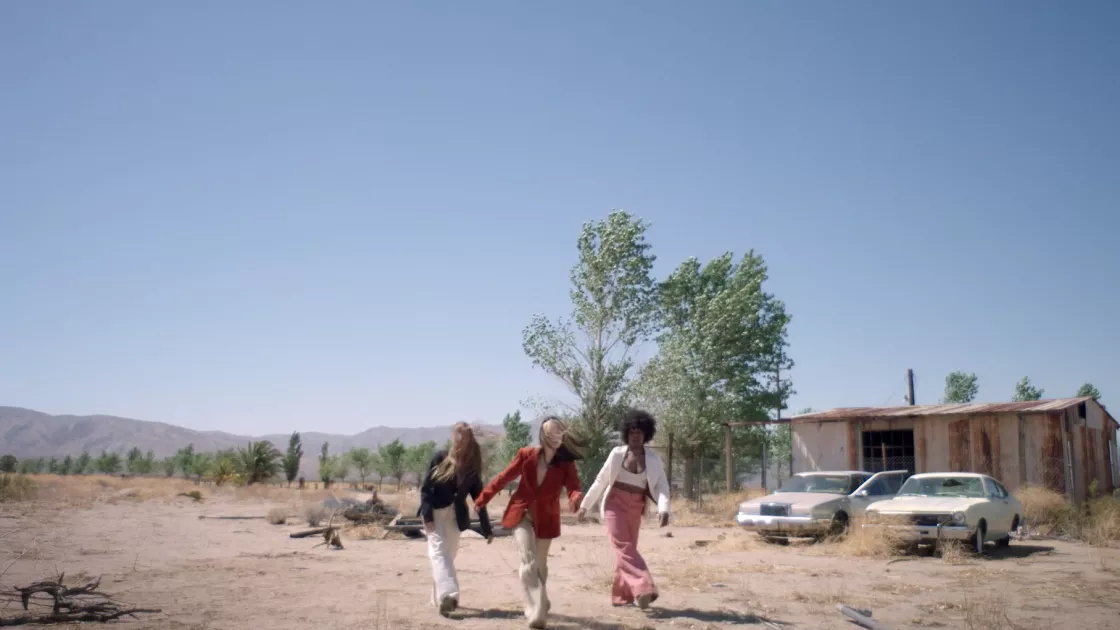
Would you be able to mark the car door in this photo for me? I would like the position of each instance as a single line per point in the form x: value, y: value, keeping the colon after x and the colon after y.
x: 878, y: 487
x: 1003, y: 512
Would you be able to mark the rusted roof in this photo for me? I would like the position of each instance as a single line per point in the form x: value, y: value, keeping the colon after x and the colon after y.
x: 864, y: 413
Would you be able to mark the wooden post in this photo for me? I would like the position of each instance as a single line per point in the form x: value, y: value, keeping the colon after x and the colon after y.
x: 727, y: 454
x: 910, y: 385
x: 669, y: 469
x: 764, y: 464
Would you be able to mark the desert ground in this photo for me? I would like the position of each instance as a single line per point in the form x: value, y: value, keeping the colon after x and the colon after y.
x: 153, y: 551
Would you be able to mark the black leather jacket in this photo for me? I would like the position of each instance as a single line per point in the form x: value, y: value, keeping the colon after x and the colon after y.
x: 435, y: 495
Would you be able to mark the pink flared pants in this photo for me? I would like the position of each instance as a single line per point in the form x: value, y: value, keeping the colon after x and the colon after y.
x: 623, y: 512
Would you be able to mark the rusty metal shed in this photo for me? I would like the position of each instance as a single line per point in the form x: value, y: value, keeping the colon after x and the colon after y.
x: 1066, y: 444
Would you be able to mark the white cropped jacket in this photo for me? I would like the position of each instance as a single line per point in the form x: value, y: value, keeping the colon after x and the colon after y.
x: 655, y: 477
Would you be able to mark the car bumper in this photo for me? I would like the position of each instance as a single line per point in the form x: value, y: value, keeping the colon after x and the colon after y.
x: 783, y: 525
x: 926, y: 533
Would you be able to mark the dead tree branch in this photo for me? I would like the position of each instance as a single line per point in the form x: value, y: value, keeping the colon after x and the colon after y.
x: 52, y: 602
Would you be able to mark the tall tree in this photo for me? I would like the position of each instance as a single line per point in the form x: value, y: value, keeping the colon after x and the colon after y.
x: 108, y: 463
x: 226, y: 466
x: 394, y: 457
x: 8, y: 464
x: 132, y: 461
x: 362, y: 459
x: 260, y: 461
x: 198, y: 466
x: 517, y: 436
x: 613, y: 298
x: 67, y: 465
x: 184, y: 459
x: 960, y: 388
x: 1087, y: 390
x: 419, y: 457
x: 168, y: 465
x: 326, y: 465
x: 292, y: 457
x: 721, y: 348
x: 1024, y: 391
x: 82, y: 464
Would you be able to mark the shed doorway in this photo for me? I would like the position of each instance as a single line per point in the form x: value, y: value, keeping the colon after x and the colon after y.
x: 888, y: 450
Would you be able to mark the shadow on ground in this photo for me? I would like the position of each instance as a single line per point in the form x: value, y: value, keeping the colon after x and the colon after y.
x: 1017, y: 551
x: 567, y: 622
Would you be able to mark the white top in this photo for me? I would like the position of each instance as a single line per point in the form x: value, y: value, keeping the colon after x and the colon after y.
x: 654, y: 477
x: 637, y: 480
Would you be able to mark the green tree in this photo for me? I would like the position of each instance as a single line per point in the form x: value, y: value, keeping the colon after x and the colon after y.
x: 721, y: 347
x: 108, y: 463
x: 83, y: 464
x: 132, y: 461
x: 30, y: 466
x: 184, y: 458
x: 8, y: 463
x: 226, y: 466
x: 393, y: 457
x: 419, y: 457
x: 199, y: 465
x: 517, y: 436
x: 1087, y: 390
x: 67, y: 466
x: 326, y: 465
x: 613, y: 298
x: 168, y: 465
x: 260, y: 461
x: 362, y: 459
x: 960, y: 388
x: 147, y: 463
x: 54, y: 466
x: 293, y: 457
x: 1024, y: 391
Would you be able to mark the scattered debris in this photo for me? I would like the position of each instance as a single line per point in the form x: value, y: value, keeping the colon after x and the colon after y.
x: 232, y: 518
x: 861, y: 617
x: 193, y: 494
x: 414, y: 527
x: 373, y: 511
x: 52, y: 602
x: 331, y: 537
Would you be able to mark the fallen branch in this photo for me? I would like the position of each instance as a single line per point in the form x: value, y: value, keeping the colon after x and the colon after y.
x: 57, y: 603
x: 232, y: 518
x: 861, y: 617
x: 307, y: 533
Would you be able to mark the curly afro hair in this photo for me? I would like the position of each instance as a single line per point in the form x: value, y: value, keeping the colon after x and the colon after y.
x: 640, y: 420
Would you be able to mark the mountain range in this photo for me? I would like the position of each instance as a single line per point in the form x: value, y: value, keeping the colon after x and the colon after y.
x: 28, y: 433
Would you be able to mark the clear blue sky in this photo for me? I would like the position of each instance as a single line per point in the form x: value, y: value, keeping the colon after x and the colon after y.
x: 266, y: 216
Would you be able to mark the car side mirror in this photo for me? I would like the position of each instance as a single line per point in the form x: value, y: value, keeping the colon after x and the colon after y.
x: 862, y: 493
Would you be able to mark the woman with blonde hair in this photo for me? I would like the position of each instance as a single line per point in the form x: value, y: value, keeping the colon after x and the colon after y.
x: 533, y: 512
x: 451, y: 476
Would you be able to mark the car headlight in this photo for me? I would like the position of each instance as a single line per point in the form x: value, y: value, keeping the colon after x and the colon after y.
x: 958, y: 517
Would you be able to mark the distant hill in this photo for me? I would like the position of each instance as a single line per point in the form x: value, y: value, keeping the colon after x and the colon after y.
x: 27, y: 433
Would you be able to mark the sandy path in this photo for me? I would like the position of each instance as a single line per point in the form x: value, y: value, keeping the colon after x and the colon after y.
x: 249, y: 574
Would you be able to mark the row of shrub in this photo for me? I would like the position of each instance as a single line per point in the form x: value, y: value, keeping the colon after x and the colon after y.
x: 1097, y: 521
x: 16, y: 487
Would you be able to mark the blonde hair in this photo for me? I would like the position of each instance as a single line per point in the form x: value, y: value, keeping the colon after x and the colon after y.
x: 572, y: 446
x: 464, y: 458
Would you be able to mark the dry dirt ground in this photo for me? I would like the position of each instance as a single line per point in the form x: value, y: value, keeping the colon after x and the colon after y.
x: 154, y: 551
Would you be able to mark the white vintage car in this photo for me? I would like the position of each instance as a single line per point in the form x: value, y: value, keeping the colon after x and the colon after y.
x: 950, y: 506
x: 817, y: 504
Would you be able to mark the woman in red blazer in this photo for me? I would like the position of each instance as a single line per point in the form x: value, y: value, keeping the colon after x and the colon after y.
x: 533, y: 512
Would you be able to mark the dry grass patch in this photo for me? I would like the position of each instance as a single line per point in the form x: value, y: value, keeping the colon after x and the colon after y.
x: 956, y: 553
x: 987, y: 612
x: 17, y: 487
x: 714, y: 510
x: 277, y: 516
x: 878, y: 541
x: 315, y: 513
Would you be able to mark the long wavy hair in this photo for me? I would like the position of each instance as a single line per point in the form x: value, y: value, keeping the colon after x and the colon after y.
x: 572, y: 446
x: 463, y: 459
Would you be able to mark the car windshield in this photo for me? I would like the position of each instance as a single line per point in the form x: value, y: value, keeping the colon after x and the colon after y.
x: 970, y: 487
x: 830, y: 484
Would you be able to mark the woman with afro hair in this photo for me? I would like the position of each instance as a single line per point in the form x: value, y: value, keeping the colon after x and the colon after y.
x: 631, y: 475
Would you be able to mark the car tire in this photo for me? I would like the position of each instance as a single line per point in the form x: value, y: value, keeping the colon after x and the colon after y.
x: 977, y: 542
x: 839, y: 525
x: 1006, y: 540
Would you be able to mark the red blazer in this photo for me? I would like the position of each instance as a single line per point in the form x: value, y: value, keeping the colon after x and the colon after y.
x: 544, y: 500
